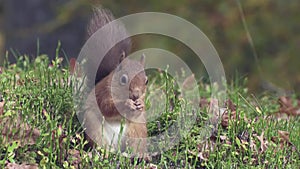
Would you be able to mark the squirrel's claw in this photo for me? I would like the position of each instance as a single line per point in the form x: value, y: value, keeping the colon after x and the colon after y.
x: 139, y: 103
x: 130, y: 104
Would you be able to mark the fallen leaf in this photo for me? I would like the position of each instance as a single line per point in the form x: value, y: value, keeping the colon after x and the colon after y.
x: 231, y: 106
x: 202, y: 156
x: 244, y: 136
x: 223, y: 138
x: 152, y: 166
x: 275, y: 139
x: 21, y: 166
x: 14, y: 129
x: 280, y: 116
x: 226, y: 117
x: 284, y: 138
x: 253, y: 146
x: 263, y: 144
x: 189, y: 83
x: 74, y: 158
x: 284, y: 135
x: 287, y: 107
x: 214, y: 111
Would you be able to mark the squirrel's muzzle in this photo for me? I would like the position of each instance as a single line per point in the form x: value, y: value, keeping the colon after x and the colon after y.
x: 135, y: 94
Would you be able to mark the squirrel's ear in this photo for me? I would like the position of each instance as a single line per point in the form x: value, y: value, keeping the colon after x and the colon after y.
x: 123, y: 55
x: 122, y: 58
x: 143, y: 58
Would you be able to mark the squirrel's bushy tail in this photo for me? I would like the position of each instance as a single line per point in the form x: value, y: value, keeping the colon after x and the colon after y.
x: 100, y: 17
x: 99, y: 42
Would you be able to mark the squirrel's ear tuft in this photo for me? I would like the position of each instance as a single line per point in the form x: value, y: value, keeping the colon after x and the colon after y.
x: 143, y: 58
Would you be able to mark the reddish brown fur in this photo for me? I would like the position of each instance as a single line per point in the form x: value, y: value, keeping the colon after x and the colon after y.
x: 110, y: 112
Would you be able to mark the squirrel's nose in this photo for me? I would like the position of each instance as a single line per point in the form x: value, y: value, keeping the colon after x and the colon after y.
x: 135, y: 94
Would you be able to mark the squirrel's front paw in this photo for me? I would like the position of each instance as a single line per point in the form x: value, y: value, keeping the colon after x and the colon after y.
x: 134, y: 105
x: 139, y: 103
x: 130, y: 104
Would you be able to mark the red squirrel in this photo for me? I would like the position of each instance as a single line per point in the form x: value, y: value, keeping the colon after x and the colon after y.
x: 119, y: 94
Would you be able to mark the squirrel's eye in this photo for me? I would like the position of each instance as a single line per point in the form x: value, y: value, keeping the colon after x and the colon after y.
x: 124, y: 79
x: 146, y: 82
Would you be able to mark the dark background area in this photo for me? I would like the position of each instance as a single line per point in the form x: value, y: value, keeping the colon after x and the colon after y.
x: 32, y: 23
x: 269, y: 59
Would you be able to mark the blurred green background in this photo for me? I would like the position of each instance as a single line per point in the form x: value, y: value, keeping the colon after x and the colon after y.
x: 257, y: 39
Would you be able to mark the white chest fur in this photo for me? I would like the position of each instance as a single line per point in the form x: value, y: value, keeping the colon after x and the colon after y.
x: 114, y: 132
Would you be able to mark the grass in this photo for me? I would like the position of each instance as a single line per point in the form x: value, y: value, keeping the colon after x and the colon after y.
x: 39, y: 125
